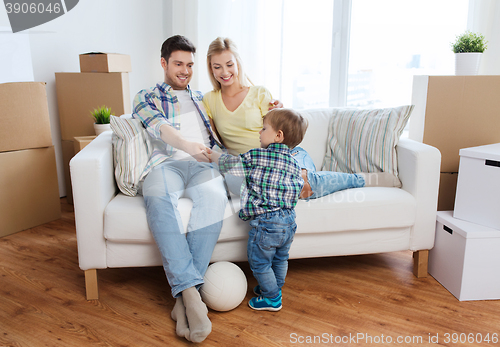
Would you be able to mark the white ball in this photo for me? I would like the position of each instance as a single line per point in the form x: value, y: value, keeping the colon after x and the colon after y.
x: 225, y: 286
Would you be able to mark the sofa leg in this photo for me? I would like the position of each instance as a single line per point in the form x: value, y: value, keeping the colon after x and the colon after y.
x: 420, y: 262
x: 91, y: 284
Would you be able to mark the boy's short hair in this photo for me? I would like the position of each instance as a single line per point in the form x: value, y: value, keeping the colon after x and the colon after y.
x: 176, y: 43
x: 290, y: 122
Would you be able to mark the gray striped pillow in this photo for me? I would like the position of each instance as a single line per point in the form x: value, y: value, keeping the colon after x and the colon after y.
x: 131, y: 151
x: 365, y: 140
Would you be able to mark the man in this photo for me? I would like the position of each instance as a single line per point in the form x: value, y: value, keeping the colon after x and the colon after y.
x: 176, y: 119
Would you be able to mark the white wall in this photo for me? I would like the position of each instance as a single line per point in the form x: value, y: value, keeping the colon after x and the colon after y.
x: 119, y: 26
x: 180, y: 17
x: 242, y: 29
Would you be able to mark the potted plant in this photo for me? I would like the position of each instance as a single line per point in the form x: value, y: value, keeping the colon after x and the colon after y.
x: 102, y: 117
x: 468, y: 49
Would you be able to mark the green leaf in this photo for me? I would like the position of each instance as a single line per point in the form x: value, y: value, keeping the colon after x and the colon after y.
x: 469, y: 42
x: 101, y: 115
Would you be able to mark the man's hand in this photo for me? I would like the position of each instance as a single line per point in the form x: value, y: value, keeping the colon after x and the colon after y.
x: 213, y: 156
x: 197, y: 151
x: 172, y: 137
x: 275, y: 104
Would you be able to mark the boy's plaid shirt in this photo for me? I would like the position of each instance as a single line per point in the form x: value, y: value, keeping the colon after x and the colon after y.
x: 158, y: 106
x: 272, y: 178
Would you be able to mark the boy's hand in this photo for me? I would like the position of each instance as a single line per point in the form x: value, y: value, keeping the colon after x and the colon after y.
x: 207, y: 153
x: 275, y: 104
x: 214, y: 158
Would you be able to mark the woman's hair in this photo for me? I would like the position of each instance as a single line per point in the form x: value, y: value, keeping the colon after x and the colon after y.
x: 290, y: 122
x: 218, y: 46
x: 176, y: 43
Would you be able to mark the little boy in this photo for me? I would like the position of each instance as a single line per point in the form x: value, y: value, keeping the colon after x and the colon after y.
x: 272, y: 187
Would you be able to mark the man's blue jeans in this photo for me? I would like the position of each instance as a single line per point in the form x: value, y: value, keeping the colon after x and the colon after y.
x: 185, y: 255
x: 325, y: 182
x: 268, y: 244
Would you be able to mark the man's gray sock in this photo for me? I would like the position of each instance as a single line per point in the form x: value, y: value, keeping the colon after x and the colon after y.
x: 197, y: 315
x: 179, y: 315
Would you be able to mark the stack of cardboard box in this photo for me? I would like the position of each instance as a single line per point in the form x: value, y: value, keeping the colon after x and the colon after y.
x: 28, y: 175
x: 451, y: 113
x: 103, y: 81
x: 465, y: 257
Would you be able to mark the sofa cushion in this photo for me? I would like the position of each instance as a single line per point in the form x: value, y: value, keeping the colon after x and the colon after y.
x: 365, y: 140
x: 353, y: 209
x: 369, y: 208
x: 131, y: 151
x: 125, y: 220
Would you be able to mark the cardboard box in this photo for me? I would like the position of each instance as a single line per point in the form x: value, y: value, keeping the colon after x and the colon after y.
x: 69, y: 149
x: 68, y: 152
x: 455, y: 112
x: 24, y: 116
x: 80, y: 142
x: 30, y: 192
x: 80, y: 93
x: 465, y: 258
x: 105, y: 62
x: 447, y: 190
x: 478, y: 186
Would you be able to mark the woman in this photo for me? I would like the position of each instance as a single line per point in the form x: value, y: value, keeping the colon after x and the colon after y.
x: 236, y: 108
x: 235, y: 105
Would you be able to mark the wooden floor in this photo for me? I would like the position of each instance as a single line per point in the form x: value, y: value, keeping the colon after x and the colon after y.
x: 344, y: 301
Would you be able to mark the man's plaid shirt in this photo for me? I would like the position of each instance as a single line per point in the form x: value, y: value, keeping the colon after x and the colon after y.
x: 272, y: 178
x: 158, y: 106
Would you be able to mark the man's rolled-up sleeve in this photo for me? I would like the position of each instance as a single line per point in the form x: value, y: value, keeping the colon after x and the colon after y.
x: 148, y: 111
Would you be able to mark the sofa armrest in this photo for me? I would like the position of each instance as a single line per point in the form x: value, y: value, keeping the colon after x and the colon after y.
x: 419, y: 170
x: 93, y: 182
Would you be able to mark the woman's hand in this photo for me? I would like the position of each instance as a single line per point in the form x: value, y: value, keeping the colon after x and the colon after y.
x: 275, y: 104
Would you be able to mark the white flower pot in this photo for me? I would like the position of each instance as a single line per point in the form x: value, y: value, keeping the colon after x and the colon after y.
x: 467, y: 63
x: 100, y: 128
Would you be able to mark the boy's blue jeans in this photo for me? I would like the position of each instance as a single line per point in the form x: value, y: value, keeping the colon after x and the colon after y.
x: 268, y: 244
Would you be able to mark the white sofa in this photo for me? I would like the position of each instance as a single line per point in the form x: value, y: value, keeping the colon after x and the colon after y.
x: 112, y: 230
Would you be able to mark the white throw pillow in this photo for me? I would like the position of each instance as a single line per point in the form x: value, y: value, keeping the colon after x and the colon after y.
x: 131, y: 151
x: 365, y: 140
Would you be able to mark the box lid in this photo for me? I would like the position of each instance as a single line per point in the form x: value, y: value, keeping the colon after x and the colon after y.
x: 491, y: 152
x: 105, y: 62
x: 466, y: 229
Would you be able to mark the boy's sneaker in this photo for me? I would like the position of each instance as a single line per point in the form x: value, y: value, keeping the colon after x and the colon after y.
x: 261, y: 303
